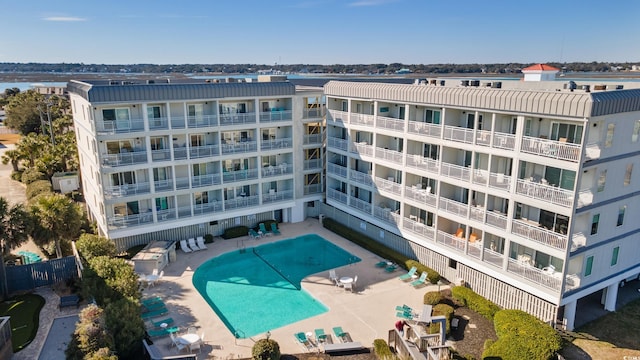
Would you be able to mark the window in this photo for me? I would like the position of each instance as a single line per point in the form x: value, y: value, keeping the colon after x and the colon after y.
x: 153, y: 112
x: 195, y: 110
x: 602, y: 180
x: 614, y: 255
x: 201, y: 198
x: 162, y: 204
x: 199, y: 169
x: 197, y: 140
x: 621, y: 215
x: 594, y: 224
x: 627, y: 175
x: 160, y: 174
x: 609, y: 139
x: 115, y: 114
x: 432, y: 116
x: 636, y: 131
x: 589, y: 266
x: 571, y: 133
x: 158, y: 143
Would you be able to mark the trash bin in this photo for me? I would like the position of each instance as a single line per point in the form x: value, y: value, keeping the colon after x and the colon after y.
x: 321, y: 218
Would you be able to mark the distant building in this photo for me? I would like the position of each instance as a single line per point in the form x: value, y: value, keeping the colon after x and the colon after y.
x: 50, y: 90
x: 540, y: 72
x: 403, y: 71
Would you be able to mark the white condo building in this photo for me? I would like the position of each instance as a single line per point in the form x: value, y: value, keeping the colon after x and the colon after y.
x: 524, y: 190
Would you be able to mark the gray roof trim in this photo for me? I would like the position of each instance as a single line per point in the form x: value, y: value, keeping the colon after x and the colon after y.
x: 96, y: 94
x: 560, y: 103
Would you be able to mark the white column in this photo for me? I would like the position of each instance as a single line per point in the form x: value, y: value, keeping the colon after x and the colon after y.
x: 612, y: 296
x: 570, y: 315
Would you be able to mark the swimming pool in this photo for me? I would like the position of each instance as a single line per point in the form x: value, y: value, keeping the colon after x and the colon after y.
x: 244, y: 287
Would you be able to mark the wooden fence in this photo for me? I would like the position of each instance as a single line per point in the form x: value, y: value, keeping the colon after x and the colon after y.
x: 44, y: 273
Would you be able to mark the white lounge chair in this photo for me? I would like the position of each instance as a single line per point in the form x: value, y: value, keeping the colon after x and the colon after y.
x: 200, y: 242
x: 177, y: 343
x: 185, y: 247
x: 193, y: 245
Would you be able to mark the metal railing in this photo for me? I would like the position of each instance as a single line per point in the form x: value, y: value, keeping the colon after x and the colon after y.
x: 362, y: 149
x: 278, y: 170
x: 312, y: 139
x: 313, y: 189
x: 423, y: 196
x: 360, y: 178
x: 361, y: 119
x: 416, y: 227
x: 202, y: 121
x: 161, y: 155
x: 205, y: 180
x: 277, y: 196
x: 311, y: 164
x: 335, y: 169
x: 388, y: 186
x: 240, y: 147
x: 422, y: 163
x: 280, y: 143
x: 273, y: 116
x: 163, y: 185
x: 237, y: 118
x: 453, y: 207
x: 455, y: 171
x: 386, y: 215
x: 532, y: 273
x: 336, y: 195
x: 547, y: 193
x: 493, y: 257
x: 390, y: 123
x: 427, y: 129
x: 551, y: 148
x: 204, y: 151
x: 458, y: 134
x: 242, y: 202
x: 239, y: 175
x: 540, y: 235
x: 504, y: 141
x: 337, y: 143
x: 360, y: 205
x: 389, y: 155
x: 450, y: 241
x: 122, y: 159
x: 127, y: 190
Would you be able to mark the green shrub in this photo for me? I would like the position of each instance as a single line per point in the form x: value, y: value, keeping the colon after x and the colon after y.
x: 265, y: 349
x: 474, y: 301
x: 382, y: 350
x: 433, y: 298
x: 378, y: 248
x: 90, y: 246
x: 441, y: 310
x: 16, y: 175
x: 235, y: 232
x: 208, y: 238
x: 522, y: 336
x: 38, y: 187
x: 30, y: 175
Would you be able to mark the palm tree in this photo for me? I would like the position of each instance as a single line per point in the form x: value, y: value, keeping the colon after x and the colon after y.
x: 56, y: 218
x: 14, y: 156
x: 15, y: 224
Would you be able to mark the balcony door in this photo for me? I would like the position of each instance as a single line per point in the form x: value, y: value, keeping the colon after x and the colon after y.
x: 123, y: 178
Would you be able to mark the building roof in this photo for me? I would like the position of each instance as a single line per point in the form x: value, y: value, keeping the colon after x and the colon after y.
x: 540, y: 67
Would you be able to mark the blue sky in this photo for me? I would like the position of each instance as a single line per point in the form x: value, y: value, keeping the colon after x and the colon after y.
x: 319, y: 31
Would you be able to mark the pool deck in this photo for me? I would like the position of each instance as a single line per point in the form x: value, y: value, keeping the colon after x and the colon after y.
x: 366, y: 314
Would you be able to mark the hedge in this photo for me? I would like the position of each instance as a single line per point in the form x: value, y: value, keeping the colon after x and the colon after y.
x: 432, y: 298
x: 235, y: 232
x: 265, y: 349
x: 378, y: 248
x: 441, y: 310
x: 382, y: 350
x: 522, y: 336
x: 474, y: 301
x: 38, y: 187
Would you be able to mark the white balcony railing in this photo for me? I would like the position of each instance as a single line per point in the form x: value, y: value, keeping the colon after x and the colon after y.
x: 337, y: 117
x: 451, y: 241
x: 313, y: 189
x: 337, y: 143
x: 335, y: 169
x: 361, y: 119
x: 337, y: 196
x: 390, y: 123
x: 419, y: 228
x: 500, y: 181
x: 312, y: 139
x: 480, y: 176
x: 205, y: 180
x: 240, y: 147
x: 125, y: 158
x: 496, y: 219
x: 423, y: 196
x: 360, y: 205
x: 163, y: 185
x: 533, y: 231
x: 458, y: 134
x: 362, y: 148
x: 276, y: 196
x: 360, y: 178
x: 280, y: 143
x: 389, y: 155
x: 182, y: 182
x: 483, y: 137
x: 124, y: 221
x: 239, y: 175
x: 504, y: 141
x: 203, y: 151
x: 159, y: 123
x: 274, y: 116
x: 388, y: 186
x: 127, y: 190
x: 119, y: 126
x: 386, y: 215
x: 237, y: 118
x: 492, y: 257
x: 474, y: 249
x: 551, y: 148
x: 207, y: 208
x: 242, y: 202
x: 454, y: 171
x: 202, y: 121
x: 453, y: 207
x: 422, y: 163
x: 313, y: 113
x: 312, y: 164
x: 426, y: 129
x: 547, y: 193
x: 161, y: 155
x: 548, y: 280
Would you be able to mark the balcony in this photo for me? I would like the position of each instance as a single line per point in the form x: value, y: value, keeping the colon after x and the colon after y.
x: 453, y: 207
x: 207, y: 208
x: 277, y: 196
x: 388, y: 185
x: 389, y: 155
x: 483, y: 137
x: 163, y: 185
x: 312, y: 139
x: 458, y: 134
x: 426, y: 129
x: 239, y: 175
x: 179, y: 153
x: 313, y: 189
x: 548, y: 280
x: 337, y: 196
x: 119, y: 126
x: 278, y: 170
x: 361, y: 119
x: 386, y: 215
x: 480, y: 177
x: 360, y: 178
x: 237, y: 119
x: 422, y: 163
x: 493, y: 258
x: 453, y: 171
x: 551, y: 148
x: 422, y: 196
x: 504, y: 141
x: 125, y: 221
x: 360, y: 205
x: 202, y: 121
x: 337, y: 117
x: 177, y: 122
x: 421, y: 229
x: 280, y: 143
x: 531, y: 230
x: 450, y: 241
x: 242, y: 202
x: 500, y: 181
x: 337, y: 143
x: 275, y: 115
x: 239, y: 147
x: 474, y: 249
x: 313, y: 113
x: 312, y: 164
x: 196, y: 152
x: 182, y: 183
x: 138, y: 188
x: 125, y: 158
x: 205, y: 180
x: 338, y: 170
x: 362, y: 148
x: 496, y: 219
x: 165, y: 215
x: 159, y: 123
x: 161, y: 155
x: 394, y: 124
x: 546, y: 193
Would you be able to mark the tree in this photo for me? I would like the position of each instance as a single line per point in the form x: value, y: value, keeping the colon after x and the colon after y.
x: 22, y: 112
x: 90, y: 336
x: 109, y: 279
x: 57, y: 218
x: 90, y: 246
x: 13, y: 156
x: 15, y: 223
x: 126, y: 325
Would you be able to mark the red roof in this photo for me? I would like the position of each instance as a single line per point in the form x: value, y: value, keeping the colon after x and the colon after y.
x: 540, y: 67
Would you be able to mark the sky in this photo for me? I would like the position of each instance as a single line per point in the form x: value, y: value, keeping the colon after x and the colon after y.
x: 321, y: 32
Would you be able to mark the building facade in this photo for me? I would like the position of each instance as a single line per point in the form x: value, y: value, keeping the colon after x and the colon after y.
x: 166, y: 161
x: 525, y: 191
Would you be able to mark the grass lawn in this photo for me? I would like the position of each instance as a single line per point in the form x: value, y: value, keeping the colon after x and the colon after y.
x: 24, y: 311
x: 613, y: 336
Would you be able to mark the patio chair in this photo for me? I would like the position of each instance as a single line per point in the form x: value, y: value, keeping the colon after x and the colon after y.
x: 301, y: 339
x: 158, y: 323
x: 184, y: 246
x: 382, y: 264
x: 152, y: 300
x: 404, y: 315
x: 391, y: 268
x: 421, y: 281
x: 200, y: 242
x: 341, y: 334
x: 153, y: 281
x: 409, y: 274
x: 254, y: 234
x: 155, y: 313
x: 320, y: 335
x: 193, y: 245
x: 264, y: 229
x: 348, y: 286
x: 175, y: 342
x: 274, y: 229
x: 195, y: 346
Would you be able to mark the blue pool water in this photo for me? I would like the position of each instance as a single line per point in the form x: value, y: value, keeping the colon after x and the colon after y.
x: 259, y: 289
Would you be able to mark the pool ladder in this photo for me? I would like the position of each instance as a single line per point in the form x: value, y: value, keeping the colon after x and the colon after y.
x: 240, y: 245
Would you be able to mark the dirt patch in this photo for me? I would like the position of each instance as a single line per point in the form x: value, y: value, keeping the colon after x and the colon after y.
x: 366, y: 354
x: 9, y: 139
